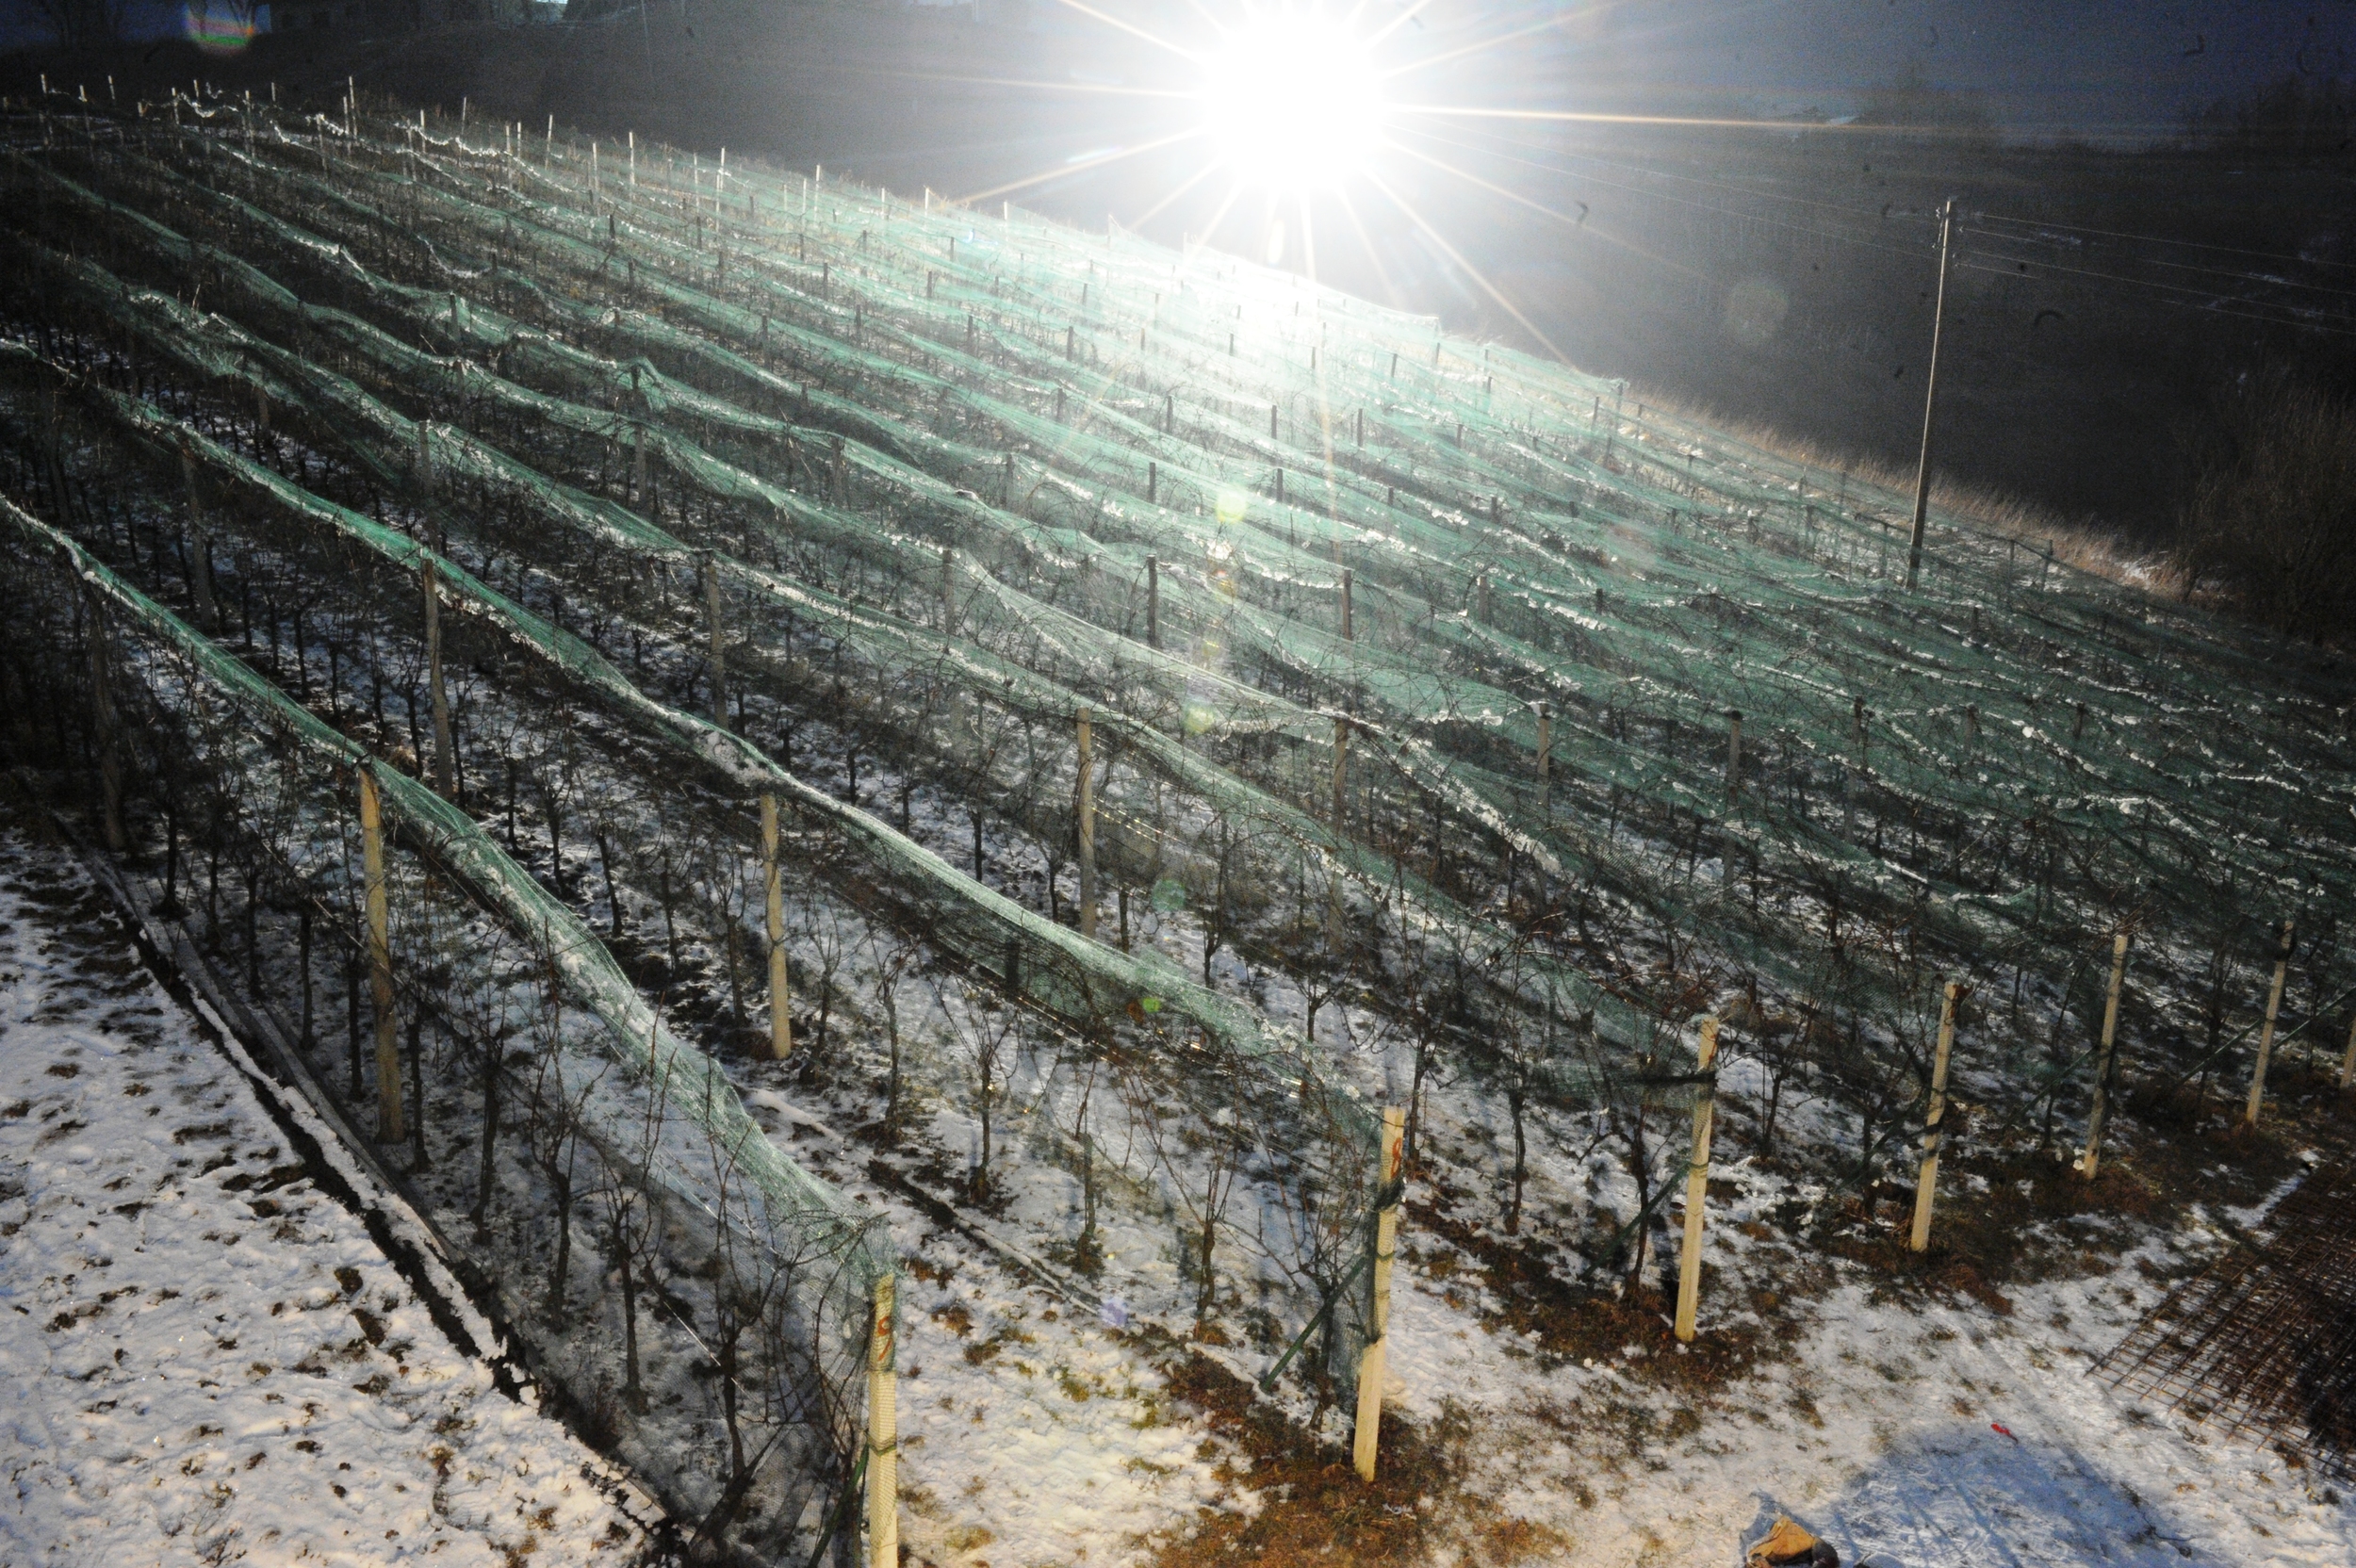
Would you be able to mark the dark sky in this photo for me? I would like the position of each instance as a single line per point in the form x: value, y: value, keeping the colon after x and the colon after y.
x: 2094, y: 66
x: 2098, y: 65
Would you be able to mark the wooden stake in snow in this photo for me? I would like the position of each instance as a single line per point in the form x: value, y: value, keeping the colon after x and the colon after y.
x: 883, y: 1436
x: 780, y: 990
x: 437, y: 691
x: 2347, y: 1063
x: 200, y: 547
x: 1373, y: 1362
x: 1926, y: 1185
x: 1341, y: 811
x: 2091, y: 1161
x: 1734, y: 752
x: 102, y: 712
x: 388, y: 1122
x: 719, y: 649
x: 1698, y: 1182
x: 1153, y: 603
x: 2265, y: 1036
x: 1348, y: 634
x: 1084, y: 810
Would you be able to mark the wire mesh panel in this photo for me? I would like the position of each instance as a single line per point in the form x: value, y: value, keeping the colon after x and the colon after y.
x: 2263, y: 1342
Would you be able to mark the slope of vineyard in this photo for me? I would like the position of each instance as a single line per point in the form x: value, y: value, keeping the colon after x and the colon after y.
x: 1200, y: 710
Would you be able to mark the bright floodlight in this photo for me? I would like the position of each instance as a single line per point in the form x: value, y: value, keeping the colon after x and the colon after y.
x: 1293, y: 102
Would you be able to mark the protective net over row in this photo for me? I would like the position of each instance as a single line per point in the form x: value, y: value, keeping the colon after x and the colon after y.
x: 596, y: 1084
x: 1442, y: 684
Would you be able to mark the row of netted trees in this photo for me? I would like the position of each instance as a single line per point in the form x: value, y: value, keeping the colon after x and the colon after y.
x: 1165, y: 675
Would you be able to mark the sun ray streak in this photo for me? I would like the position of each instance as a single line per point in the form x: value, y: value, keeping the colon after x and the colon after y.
x: 1597, y: 231
x: 1085, y: 164
x: 1188, y: 184
x: 1127, y: 27
x: 1202, y: 241
x: 1470, y: 270
x: 1390, y: 291
x: 1588, y: 117
x: 1395, y: 22
x: 1101, y: 88
x: 1480, y: 47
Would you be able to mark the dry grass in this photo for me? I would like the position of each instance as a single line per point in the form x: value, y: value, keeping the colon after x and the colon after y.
x: 2037, y: 1218
x: 1889, y: 488
x: 1314, y: 1509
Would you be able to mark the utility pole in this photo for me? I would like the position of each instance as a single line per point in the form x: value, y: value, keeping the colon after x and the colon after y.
x: 1930, y: 397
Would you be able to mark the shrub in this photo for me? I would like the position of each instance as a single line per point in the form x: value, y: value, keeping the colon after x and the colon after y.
x: 2270, y: 524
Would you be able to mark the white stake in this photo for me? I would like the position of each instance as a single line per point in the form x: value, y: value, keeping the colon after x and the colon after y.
x: 1926, y: 1185
x: 883, y: 1436
x: 2265, y: 1036
x: 1373, y: 1360
x: 780, y: 990
x: 1086, y: 811
x: 388, y: 1122
x: 1697, y: 1183
x: 2092, y: 1158
x: 444, y: 779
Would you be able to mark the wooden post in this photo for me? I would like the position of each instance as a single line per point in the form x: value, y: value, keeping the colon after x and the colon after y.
x: 1153, y: 603
x: 2265, y: 1036
x: 1085, y: 810
x: 1734, y: 752
x: 1926, y: 1185
x: 1348, y: 634
x: 638, y: 465
x: 781, y: 989
x: 1930, y: 394
x: 1341, y: 772
x: 1698, y: 1182
x: 442, y: 774
x: 948, y: 585
x: 388, y: 1121
x: 101, y: 704
x: 2091, y: 1160
x: 1341, y: 817
x: 883, y: 1435
x: 718, y: 655
x: 1373, y: 1362
x: 200, y: 547
x: 1546, y: 751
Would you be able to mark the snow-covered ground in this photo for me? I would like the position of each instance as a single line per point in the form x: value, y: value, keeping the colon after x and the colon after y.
x: 1909, y: 1429
x: 204, y: 1358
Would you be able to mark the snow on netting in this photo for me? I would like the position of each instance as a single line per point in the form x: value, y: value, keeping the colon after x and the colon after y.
x: 1412, y: 665
x: 508, y: 963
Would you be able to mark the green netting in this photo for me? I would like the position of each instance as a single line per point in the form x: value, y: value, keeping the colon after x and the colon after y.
x: 667, y: 1120
x: 957, y: 445
x: 214, y: 351
x: 170, y: 329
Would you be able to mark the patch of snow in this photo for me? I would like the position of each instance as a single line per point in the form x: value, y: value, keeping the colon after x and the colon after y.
x: 202, y: 1356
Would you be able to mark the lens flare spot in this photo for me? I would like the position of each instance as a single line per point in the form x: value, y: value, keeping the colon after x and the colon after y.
x: 215, y: 28
x: 1232, y: 504
x: 1754, y: 311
